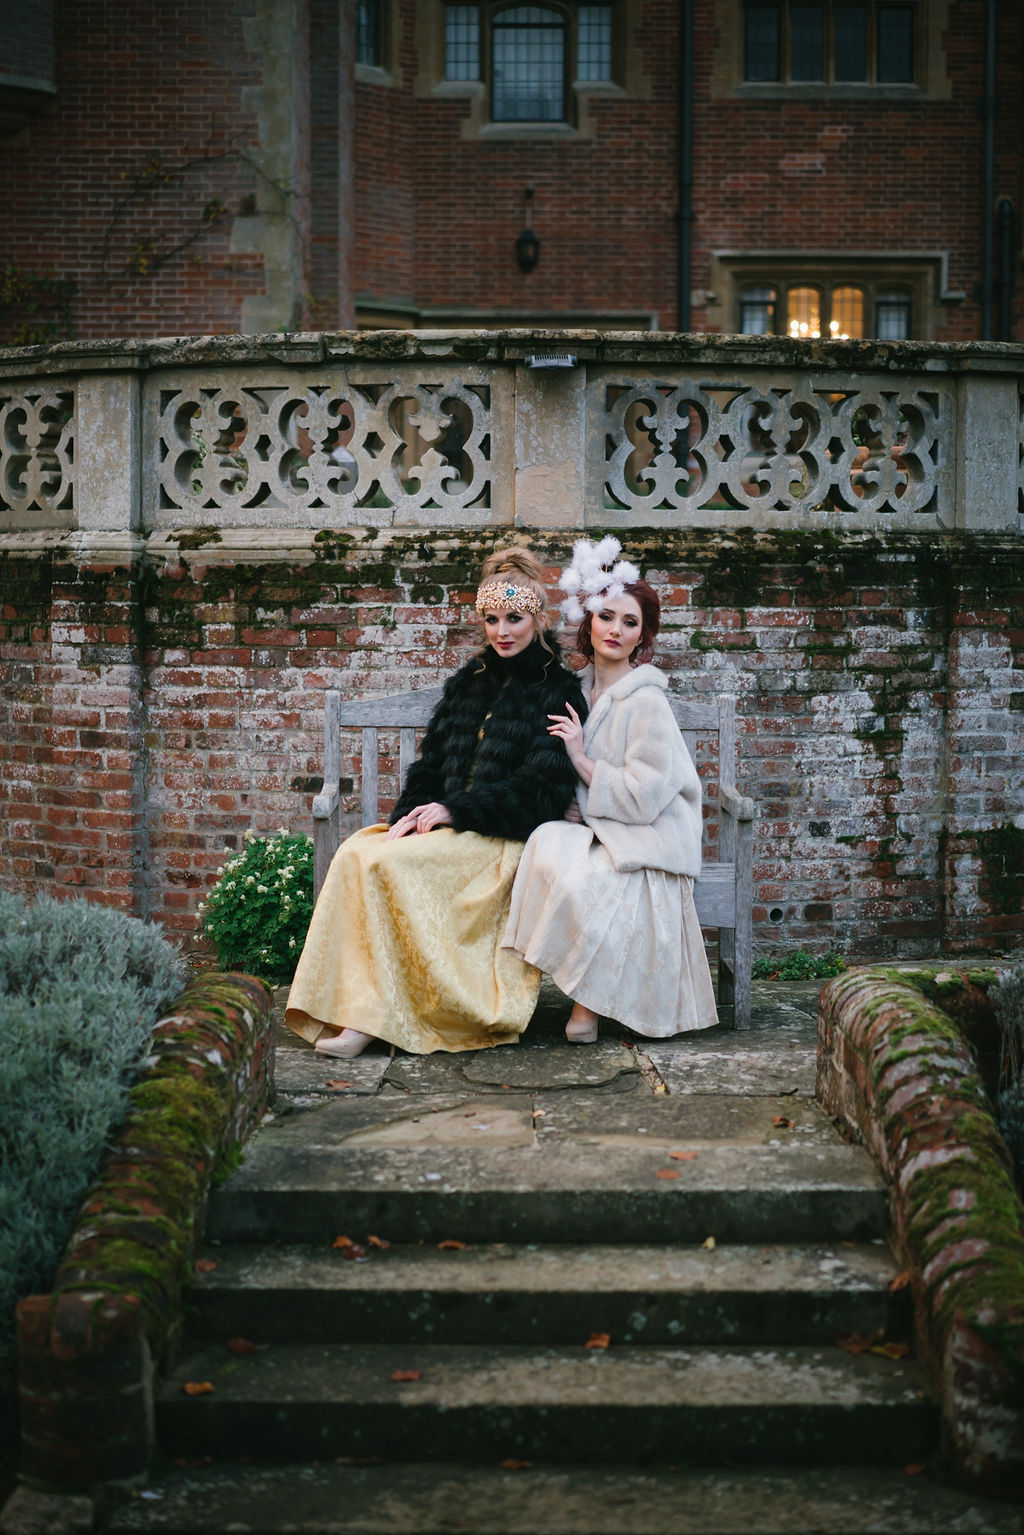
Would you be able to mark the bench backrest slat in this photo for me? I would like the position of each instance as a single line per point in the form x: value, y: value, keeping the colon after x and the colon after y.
x: 410, y: 712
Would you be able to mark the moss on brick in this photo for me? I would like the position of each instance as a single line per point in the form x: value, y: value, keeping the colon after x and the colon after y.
x: 136, y: 1231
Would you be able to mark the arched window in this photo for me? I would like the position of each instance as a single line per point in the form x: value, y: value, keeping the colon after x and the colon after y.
x: 757, y: 311
x: 528, y: 65
x: 847, y: 313
x: 892, y: 314
x: 803, y: 312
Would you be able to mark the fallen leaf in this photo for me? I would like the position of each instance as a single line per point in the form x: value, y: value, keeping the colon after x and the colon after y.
x: 901, y: 1281
x: 537, y: 1114
x: 356, y: 1253
x: 451, y: 1246
x: 197, y: 1387
x: 661, y: 1087
x: 857, y: 1342
x: 598, y: 1340
x: 666, y: 1172
x: 205, y: 1265
x: 709, y: 1243
x: 683, y: 1156
x: 399, y: 1375
x: 782, y: 1122
x: 337, y: 1083
x: 241, y: 1346
x: 515, y: 1465
x: 342, y: 1242
x: 380, y: 1242
x: 913, y: 1468
x: 891, y: 1350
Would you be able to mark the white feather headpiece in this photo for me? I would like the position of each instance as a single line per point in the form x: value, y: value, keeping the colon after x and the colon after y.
x: 587, y: 582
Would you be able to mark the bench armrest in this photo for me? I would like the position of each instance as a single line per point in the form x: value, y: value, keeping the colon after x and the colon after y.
x: 739, y: 806
x: 325, y: 804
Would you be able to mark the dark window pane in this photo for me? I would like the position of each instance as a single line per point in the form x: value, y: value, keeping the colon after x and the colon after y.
x: 461, y: 42
x: 895, y: 44
x: 807, y: 42
x: 368, y: 32
x: 762, y: 42
x: 851, y: 42
x: 892, y: 315
x: 757, y: 311
x: 594, y: 43
x: 528, y: 59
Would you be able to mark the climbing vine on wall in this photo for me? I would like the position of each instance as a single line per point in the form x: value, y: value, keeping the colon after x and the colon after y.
x: 34, y: 308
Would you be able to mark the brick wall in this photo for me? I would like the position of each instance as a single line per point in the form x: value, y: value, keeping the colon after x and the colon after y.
x: 876, y: 681
x: 138, y: 185
x: 130, y: 186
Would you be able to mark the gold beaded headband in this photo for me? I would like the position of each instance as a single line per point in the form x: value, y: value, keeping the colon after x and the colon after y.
x: 506, y: 597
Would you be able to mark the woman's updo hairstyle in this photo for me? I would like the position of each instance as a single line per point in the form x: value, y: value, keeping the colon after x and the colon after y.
x: 523, y: 568
x: 650, y: 614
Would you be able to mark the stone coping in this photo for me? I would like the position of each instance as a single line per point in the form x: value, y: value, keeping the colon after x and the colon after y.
x: 511, y: 347
x: 895, y: 1065
x: 89, y: 1349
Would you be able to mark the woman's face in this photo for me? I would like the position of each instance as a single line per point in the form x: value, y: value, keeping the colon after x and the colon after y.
x: 615, y: 630
x: 509, y: 633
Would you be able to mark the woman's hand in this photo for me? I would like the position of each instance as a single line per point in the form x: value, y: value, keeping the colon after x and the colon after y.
x: 574, y: 814
x: 424, y: 818
x: 568, y: 728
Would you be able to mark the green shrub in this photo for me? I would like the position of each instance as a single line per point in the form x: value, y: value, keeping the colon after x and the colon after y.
x: 797, y: 965
x: 1008, y: 999
x: 258, y: 912
x: 81, y: 987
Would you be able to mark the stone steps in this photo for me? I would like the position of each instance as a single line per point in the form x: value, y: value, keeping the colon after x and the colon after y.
x: 548, y: 1294
x: 772, y: 1405
x: 555, y: 1189
x: 616, y: 1499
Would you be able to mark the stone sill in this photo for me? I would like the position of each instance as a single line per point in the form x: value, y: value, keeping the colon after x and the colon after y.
x: 510, y: 346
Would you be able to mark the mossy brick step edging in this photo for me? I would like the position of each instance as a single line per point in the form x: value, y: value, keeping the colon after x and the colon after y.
x: 88, y: 1350
x: 893, y: 1063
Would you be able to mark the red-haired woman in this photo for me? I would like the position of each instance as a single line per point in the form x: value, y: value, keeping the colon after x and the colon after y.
x: 605, y: 905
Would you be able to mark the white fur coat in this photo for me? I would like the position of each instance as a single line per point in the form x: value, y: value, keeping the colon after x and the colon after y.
x: 644, y: 800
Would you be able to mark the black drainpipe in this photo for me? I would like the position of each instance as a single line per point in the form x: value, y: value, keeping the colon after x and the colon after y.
x: 685, y: 162
x: 1005, y: 269
x: 989, y: 109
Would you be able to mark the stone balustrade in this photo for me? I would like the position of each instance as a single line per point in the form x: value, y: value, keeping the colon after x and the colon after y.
x: 533, y: 429
x: 199, y: 537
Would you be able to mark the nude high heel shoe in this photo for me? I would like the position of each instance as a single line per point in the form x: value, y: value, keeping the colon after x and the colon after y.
x: 347, y: 1044
x: 581, y: 1031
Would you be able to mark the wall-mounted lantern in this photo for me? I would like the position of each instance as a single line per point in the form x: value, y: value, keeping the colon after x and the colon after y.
x: 528, y: 245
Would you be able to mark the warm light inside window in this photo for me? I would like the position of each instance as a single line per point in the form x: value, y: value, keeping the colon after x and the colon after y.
x: 847, y: 313
x: 804, y: 312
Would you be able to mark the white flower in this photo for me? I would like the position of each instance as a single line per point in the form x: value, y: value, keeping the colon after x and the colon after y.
x: 291, y: 943
x: 262, y: 889
x: 250, y: 879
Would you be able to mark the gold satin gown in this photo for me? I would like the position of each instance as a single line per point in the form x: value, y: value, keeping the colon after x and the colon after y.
x: 405, y: 944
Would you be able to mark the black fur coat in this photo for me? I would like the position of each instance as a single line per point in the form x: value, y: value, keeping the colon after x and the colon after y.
x: 487, y: 755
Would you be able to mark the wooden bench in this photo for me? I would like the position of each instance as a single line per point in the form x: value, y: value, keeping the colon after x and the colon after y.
x: 724, y: 894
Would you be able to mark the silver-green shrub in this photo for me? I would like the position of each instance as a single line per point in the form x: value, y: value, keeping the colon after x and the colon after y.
x: 81, y: 987
x: 1008, y: 998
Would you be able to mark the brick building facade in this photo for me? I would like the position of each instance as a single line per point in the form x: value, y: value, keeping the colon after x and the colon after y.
x: 721, y: 164
x: 182, y: 171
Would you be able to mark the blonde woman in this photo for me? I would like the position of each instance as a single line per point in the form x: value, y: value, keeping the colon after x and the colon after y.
x: 405, y: 941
